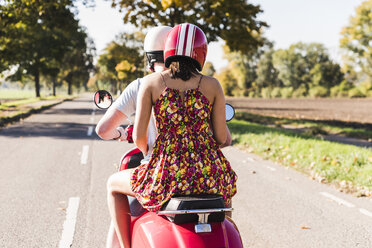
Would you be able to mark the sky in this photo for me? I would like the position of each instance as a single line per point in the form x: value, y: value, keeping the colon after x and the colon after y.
x: 290, y: 21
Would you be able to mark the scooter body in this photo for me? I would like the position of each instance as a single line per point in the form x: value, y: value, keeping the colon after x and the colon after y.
x: 197, y: 222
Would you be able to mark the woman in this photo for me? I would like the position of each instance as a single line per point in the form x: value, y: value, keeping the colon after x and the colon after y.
x: 190, y: 113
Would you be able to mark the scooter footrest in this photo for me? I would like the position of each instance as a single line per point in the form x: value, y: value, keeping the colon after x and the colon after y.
x: 195, y: 202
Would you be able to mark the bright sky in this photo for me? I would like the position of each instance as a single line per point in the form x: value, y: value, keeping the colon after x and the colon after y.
x: 290, y: 21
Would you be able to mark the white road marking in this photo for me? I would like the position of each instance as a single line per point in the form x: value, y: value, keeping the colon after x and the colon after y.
x: 90, y: 131
x: 271, y: 168
x: 84, y: 154
x: 250, y: 159
x: 69, y: 224
x: 92, y: 119
x: 365, y: 212
x: 338, y: 200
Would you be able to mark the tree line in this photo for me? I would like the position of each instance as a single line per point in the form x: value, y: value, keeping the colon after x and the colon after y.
x: 43, y: 39
x: 305, y: 69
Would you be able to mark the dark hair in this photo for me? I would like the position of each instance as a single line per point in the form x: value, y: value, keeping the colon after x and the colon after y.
x: 183, y: 68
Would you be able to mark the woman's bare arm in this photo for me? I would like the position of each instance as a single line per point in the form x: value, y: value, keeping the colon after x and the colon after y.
x: 143, y: 114
x: 218, y: 115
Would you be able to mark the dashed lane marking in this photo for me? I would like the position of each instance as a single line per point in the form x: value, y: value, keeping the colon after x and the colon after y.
x: 271, y: 168
x: 84, y: 154
x: 365, y: 212
x: 90, y: 131
x: 70, y: 222
x: 338, y: 200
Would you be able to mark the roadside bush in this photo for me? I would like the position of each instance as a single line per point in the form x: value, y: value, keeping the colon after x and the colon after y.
x: 318, y: 91
x: 251, y: 94
x: 265, y: 92
x: 364, y: 87
x: 335, y: 91
x: 355, y: 92
x: 275, y: 92
x: 286, y: 92
x: 369, y: 93
x: 300, y: 92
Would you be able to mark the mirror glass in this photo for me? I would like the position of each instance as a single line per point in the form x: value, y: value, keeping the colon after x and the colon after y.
x: 230, y: 112
x: 103, y: 99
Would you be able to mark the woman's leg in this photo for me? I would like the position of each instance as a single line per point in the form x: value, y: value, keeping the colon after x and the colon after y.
x: 112, y: 240
x: 118, y: 187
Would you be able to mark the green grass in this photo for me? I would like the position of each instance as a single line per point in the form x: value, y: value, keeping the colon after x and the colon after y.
x: 16, y: 94
x: 323, y: 160
x: 312, y: 128
x: 18, y: 103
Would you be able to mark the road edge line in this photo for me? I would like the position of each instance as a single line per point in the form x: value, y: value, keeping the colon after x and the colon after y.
x: 70, y: 223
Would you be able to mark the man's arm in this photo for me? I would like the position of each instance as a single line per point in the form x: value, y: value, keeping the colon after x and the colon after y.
x: 119, y: 111
x: 106, y: 127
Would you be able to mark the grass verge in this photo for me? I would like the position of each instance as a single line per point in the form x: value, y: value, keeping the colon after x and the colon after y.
x: 312, y: 128
x: 16, y: 110
x: 348, y: 167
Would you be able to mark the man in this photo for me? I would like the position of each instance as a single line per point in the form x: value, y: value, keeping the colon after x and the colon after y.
x: 125, y: 106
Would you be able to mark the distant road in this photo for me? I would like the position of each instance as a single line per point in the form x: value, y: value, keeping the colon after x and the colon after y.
x: 347, y: 110
x: 53, y: 190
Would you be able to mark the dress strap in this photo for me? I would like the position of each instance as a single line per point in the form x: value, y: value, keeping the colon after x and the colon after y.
x: 201, y: 76
x: 162, y: 76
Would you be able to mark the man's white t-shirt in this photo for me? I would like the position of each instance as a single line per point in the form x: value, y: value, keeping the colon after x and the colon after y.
x: 127, y: 103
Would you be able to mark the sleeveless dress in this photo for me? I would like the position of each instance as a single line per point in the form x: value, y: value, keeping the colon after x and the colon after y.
x: 186, y: 160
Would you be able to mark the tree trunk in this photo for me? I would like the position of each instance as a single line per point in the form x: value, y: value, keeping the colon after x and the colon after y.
x: 69, y: 88
x: 37, y: 82
x: 54, y: 87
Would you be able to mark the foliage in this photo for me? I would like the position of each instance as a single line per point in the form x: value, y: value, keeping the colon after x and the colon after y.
x: 355, y: 92
x: 267, y: 74
x: 306, y: 64
x: 233, y: 21
x: 123, y: 60
x: 318, y: 91
x: 356, y: 41
x: 228, y: 82
x: 286, y: 92
x: 208, y: 69
x: 35, y: 36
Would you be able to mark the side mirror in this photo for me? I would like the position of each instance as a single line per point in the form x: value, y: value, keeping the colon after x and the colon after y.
x: 230, y: 112
x: 103, y: 99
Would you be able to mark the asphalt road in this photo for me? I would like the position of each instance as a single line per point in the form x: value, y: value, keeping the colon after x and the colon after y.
x: 53, y: 183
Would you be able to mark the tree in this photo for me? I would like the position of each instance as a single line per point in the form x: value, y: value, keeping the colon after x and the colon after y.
x: 228, y: 82
x: 122, y: 60
x: 357, y: 41
x: 208, y: 69
x: 306, y: 65
x: 77, y: 63
x: 33, y: 36
x: 233, y: 21
x: 267, y: 75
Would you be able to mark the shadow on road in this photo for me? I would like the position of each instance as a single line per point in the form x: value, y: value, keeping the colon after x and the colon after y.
x: 64, y: 130
x: 66, y: 111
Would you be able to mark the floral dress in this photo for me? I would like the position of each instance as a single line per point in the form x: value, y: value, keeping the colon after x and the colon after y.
x: 186, y: 160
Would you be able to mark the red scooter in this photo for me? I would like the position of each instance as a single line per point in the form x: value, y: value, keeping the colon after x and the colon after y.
x: 196, y: 221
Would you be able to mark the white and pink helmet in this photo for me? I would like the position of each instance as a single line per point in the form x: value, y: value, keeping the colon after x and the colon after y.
x: 186, y: 40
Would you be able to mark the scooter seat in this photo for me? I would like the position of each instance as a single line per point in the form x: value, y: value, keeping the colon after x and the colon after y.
x: 194, y: 202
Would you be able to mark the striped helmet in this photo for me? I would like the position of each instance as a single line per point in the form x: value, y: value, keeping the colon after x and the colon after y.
x: 186, y: 40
